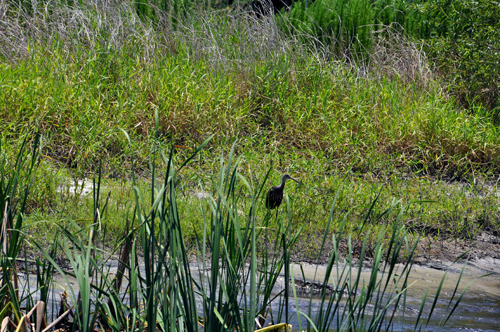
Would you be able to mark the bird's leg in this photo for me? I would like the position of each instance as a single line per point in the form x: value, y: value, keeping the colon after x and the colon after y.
x: 268, y: 215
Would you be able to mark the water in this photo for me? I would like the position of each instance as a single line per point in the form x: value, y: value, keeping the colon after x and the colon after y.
x: 479, y: 309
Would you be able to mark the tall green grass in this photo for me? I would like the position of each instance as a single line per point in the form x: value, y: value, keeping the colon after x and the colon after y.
x: 464, y: 48
x: 81, y: 72
x: 460, y: 37
x: 230, y: 74
x: 233, y: 75
x: 354, y: 25
x: 15, y: 185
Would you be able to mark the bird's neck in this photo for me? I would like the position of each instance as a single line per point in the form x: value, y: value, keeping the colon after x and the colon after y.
x: 282, y: 185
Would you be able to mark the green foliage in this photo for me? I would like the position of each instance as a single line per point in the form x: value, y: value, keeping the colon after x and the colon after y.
x: 351, y: 22
x: 466, y: 48
x: 463, y: 37
x: 348, y: 21
x: 417, y: 22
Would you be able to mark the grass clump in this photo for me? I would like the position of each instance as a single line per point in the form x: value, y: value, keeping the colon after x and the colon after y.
x: 460, y: 37
x: 351, y: 26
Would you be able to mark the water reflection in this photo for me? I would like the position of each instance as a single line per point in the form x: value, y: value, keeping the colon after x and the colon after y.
x: 479, y: 309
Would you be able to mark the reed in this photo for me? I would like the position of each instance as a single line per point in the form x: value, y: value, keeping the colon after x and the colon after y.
x: 232, y: 286
x: 15, y: 185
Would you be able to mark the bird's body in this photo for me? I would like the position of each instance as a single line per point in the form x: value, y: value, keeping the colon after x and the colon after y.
x: 274, y: 197
x: 275, y: 194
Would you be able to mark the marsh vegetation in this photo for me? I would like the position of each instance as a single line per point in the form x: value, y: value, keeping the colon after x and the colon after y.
x: 146, y: 101
x: 237, y: 271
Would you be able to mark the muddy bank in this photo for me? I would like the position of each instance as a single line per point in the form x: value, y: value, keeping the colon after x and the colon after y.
x: 478, y: 309
x: 484, y: 248
x: 483, y: 252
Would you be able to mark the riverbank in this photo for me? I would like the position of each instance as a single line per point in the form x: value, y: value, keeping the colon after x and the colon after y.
x: 450, y: 217
x: 483, y: 251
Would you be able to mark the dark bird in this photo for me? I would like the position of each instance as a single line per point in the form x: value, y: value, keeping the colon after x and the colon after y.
x: 275, y: 194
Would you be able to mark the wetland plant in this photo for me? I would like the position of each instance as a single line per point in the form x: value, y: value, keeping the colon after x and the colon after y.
x: 239, y: 258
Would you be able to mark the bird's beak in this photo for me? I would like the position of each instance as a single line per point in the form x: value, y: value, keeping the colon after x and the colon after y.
x: 295, y: 180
